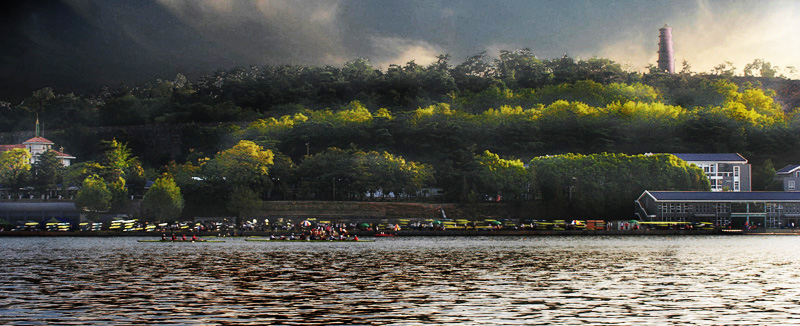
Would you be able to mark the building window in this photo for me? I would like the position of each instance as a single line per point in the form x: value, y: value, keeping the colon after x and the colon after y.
x: 736, y: 185
x: 790, y: 185
x: 716, y: 184
x: 735, y: 171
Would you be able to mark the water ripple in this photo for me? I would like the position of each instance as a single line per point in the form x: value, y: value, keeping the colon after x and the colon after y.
x: 402, y: 281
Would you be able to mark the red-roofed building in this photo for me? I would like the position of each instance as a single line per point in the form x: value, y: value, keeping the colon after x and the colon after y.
x: 37, y: 146
x: 4, y: 148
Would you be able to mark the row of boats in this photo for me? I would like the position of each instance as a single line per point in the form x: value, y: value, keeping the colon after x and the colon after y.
x: 291, y: 238
x: 262, y: 240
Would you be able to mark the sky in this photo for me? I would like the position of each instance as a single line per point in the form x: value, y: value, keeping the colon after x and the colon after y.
x: 82, y: 45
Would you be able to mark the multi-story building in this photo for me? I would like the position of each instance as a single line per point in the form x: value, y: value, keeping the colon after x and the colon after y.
x: 789, y: 176
x: 725, y: 171
x: 771, y: 209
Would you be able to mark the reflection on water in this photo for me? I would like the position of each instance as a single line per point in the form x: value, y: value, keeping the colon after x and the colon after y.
x: 542, y: 280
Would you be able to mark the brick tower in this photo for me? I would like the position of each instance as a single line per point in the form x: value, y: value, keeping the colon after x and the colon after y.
x: 666, y: 58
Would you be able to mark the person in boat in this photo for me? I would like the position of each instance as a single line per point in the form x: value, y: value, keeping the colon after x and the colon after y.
x: 194, y: 237
x: 163, y: 237
x: 184, y: 237
x: 173, y: 237
x: 356, y: 238
x: 272, y: 237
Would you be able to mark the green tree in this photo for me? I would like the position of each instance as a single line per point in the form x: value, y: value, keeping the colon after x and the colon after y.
x: 163, y: 201
x: 119, y: 194
x: 603, y: 185
x: 135, y: 178
x: 15, y: 168
x: 47, y: 172
x: 244, y: 202
x: 390, y: 173
x: 94, y: 196
x: 245, y: 164
x: 500, y: 177
x: 764, y: 68
x: 726, y: 69
x: 331, y: 174
x: 76, y: 173
x: 763, y: 176
x: 243, y: 171
x: 117, y: 159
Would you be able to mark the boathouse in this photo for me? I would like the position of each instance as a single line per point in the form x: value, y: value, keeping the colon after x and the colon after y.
x: 37, y: 211
x: 773, y: 209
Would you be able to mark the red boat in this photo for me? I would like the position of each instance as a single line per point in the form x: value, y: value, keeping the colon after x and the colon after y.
x: 383, y: 234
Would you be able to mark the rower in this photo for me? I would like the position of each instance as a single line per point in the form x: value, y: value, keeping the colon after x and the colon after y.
x: 173, y: 237
x: 194, y: 237
x: 356, y: 238
x: 163, y: 237
x: 184, y: 237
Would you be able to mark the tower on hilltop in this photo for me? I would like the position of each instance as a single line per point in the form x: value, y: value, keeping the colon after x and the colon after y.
x: 666, y: 55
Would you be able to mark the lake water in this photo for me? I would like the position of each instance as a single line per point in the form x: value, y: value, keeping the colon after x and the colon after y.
x: 403, y: 281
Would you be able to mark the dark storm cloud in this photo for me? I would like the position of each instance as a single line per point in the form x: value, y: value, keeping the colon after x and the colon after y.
x: 75, y: 45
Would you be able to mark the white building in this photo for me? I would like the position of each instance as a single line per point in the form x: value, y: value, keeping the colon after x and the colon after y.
x: 725, y: 171
x: 39, y: 145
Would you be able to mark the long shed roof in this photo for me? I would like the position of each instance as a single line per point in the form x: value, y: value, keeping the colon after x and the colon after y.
x: 35, y: 206
x: 724, y: 196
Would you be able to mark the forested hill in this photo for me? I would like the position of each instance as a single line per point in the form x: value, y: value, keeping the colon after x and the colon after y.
x: 515, y: 105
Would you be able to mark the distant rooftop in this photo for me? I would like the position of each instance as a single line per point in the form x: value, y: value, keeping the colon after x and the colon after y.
x: 63, y: 155
x: 725, y: 196
x: 788, y: 169
x: 4, y: 148
x: 711, y: 157
x: 38, y: 140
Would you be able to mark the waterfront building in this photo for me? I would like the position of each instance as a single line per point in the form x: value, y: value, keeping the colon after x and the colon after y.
x: 789, y: 176
x: 37, y: 146
x: 725, y: 171
x: 38, y: 211
x: 773, y: 209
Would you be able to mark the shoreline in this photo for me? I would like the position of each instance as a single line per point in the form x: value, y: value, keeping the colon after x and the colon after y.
x: 413, y: 233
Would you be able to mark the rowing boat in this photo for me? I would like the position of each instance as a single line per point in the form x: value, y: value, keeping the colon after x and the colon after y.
x: 181, y: 240
x: 301, y: 240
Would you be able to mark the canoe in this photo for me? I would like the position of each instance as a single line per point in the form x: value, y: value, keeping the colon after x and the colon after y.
x: 300, y: 240
x: 181, y: 241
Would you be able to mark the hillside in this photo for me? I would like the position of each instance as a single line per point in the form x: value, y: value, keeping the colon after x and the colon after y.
x: 347, y: 133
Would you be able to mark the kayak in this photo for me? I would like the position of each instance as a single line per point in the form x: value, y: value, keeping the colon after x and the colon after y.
x: 384, y: 234
x: 181, y: 241
x: 301, y: 240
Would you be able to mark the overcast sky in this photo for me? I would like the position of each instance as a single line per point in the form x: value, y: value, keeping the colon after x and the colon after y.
x: 83, y: 44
